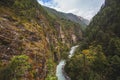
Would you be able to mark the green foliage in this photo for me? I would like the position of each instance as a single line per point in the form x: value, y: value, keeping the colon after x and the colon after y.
x: 6, y: 2
x: 51, y: 70
x: 5, y: 73
x: 113, y: 68
x: 114, y: 46
x: 18, y: 65
x: 74, y: 67
x: 92, y: 64
x: 104, y: 28
x: 100, y: 58
x: 51, y: 78
x: 25, y: 8
x: 16, y: 68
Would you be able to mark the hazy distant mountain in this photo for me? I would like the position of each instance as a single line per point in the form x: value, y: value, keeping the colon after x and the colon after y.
x: 68, y: 16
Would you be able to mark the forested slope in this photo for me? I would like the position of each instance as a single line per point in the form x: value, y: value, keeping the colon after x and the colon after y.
x: 98, y: 57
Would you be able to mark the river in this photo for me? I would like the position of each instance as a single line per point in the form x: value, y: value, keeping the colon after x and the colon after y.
x: 60, y: 67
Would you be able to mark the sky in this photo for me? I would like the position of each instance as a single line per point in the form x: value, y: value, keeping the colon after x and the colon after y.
x: 84, y: 8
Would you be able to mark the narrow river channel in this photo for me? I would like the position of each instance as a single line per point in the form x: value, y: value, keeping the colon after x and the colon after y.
x: 60, y: 67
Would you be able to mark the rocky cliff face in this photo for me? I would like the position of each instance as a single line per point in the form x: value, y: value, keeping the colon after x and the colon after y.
x: 27, y: 29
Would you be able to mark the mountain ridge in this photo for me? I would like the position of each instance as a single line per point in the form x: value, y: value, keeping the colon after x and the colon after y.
x: 68, y: 16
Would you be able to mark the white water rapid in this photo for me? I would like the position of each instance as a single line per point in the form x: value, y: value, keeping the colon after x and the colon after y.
x: 60, y: 67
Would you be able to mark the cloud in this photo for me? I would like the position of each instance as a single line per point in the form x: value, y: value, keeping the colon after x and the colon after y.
x: 84, y: 8
x: 49, y: 4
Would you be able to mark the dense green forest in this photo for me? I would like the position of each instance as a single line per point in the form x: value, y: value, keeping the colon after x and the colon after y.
x: 98, y: 57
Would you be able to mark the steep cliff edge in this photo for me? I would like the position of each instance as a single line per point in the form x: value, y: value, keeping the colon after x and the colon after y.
x: 27, y: 30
